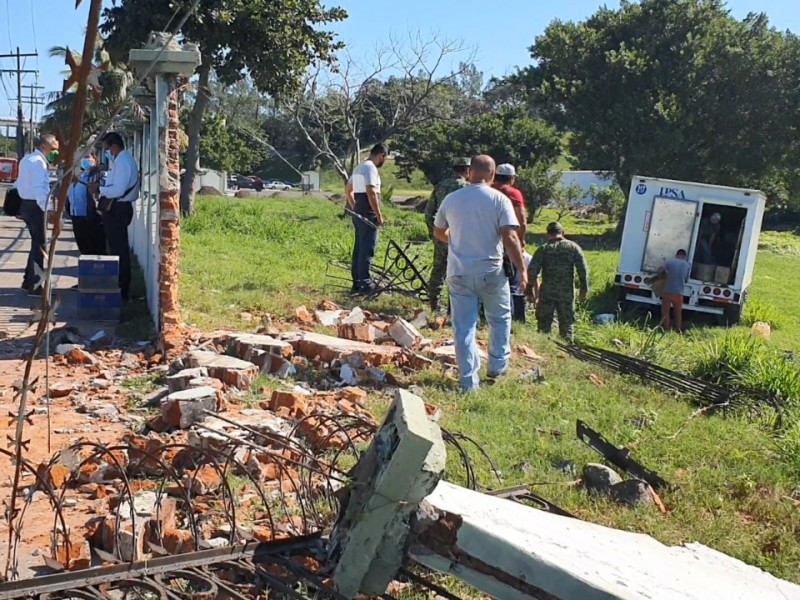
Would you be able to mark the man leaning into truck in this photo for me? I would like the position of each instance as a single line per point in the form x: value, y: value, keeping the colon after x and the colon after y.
x: 675, y: 272
x: 557, y: 259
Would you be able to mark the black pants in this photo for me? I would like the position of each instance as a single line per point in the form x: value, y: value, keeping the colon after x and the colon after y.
x: 115, y: 223
x: 366, y: 238
x: 34, y: 219
x: 90, y: 235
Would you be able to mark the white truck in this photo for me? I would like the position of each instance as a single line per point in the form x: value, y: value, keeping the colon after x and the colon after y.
x: 717, y: 226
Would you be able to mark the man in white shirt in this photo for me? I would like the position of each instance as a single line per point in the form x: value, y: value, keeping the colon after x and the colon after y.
x: 477, y: 222
x: 363, y: 196
x: 33, y: 185
x: 117, y: 194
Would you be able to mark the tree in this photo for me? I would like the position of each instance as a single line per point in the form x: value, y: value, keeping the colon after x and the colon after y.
x: 508, y: 135
x: 111, y: 84
x: 357, y: 105
x: 608, y: 199
x: 674, y: 89
x: 273, y: 41
x: 538, y: 184
x: 226, y: 147
x: 567, y: 198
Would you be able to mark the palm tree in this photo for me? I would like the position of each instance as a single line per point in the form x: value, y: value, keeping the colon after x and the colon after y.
x: 111, y: 86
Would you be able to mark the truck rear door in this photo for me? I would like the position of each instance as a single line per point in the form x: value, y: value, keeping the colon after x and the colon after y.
x: 671, y: 229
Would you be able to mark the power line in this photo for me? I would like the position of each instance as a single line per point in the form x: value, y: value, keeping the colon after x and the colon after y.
x: 8, y: 26
x: 20, y: 116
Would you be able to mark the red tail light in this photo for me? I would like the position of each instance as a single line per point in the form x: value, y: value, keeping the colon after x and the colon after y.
x: 637, y: 279
x: 628, y: 278
x: 727, y: 293
x: 706, y: 290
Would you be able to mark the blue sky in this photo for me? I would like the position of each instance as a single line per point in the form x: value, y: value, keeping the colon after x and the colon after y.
x: 500, y: 32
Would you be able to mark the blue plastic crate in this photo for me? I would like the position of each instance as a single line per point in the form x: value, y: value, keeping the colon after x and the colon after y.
x: 98, y: 266
x: 99, y: 305
x: 106, y: 283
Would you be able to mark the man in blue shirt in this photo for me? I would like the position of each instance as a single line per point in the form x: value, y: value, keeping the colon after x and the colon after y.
x: 675, y: 272
x: 86, y: 223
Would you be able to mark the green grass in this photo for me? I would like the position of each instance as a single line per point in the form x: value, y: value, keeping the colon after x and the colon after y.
x: 732, y: 474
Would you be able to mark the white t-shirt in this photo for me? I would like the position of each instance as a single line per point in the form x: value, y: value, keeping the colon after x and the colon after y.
x: 366, y: 174
x: 475, y: 214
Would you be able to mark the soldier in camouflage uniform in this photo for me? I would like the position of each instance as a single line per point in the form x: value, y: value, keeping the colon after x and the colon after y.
x: 450, y: 184
x: 557, y: 260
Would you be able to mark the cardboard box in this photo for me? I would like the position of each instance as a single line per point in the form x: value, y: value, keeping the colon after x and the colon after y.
x: 722, y: 275
x: 703, y: 272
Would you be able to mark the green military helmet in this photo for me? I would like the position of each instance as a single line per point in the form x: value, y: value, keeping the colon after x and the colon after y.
x: 554, y: 228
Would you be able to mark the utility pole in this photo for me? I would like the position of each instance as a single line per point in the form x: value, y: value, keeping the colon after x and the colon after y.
x: 33, y: 102
x: 20, y: 116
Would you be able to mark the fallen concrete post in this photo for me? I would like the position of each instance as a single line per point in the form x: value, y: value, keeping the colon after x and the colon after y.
x: 512, y: 551
x: 397, y: 507
x: 403, y: 464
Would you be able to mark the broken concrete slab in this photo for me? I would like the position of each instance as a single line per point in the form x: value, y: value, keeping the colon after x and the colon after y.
x: 228, y: 369
x: 512, y: 551
x: 632, y: 492
x: 447, y: 354
x: 328, y: 348
x: 180, y: 381
x: 360, y: 332
x: 403, y: 464
x: 328, y: 318
x: 355, y: 317
x: 185, y: 408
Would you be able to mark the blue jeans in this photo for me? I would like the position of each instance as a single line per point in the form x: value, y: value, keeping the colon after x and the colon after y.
x: 366, y: 239
x: 34, y: 219
x: 467, y: 292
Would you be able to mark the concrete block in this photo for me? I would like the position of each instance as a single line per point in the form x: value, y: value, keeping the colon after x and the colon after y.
x: 328, y: 348
x: 180, y: 381
x: 243, y: 345
x: 228, y: 369
x: 402, y: 465
x: 184, y: 409
x: 404, y: 333
x: 512, y: 551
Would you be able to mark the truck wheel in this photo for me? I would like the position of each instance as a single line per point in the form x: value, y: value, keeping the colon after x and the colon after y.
x: 733, y: 314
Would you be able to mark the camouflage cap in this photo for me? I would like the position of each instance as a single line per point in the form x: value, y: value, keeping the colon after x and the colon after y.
x: 462, y: 161
x: 554, y: 228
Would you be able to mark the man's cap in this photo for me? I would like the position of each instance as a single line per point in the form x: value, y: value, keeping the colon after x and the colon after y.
x: 462, y: 161
x: 554, y: 228
x: 506, y: 170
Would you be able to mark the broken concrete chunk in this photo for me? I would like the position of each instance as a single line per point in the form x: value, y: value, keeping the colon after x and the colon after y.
x: 598, y: 479
x: 154, y: 398
x: 355, y: 317
x: 66, y: 348
x: 349, y: 375
x: 184, y: 409
x: 403, y: 464
x: 447, y: 354
x: 302, y: 314
x: 199, y: 382
x: 329, y: 318
x: 73, y: 552
x: 228, y: 369
x: 404, y: 333
x: 203, y: 481
x: 420, y: 320
x: 180, y: 381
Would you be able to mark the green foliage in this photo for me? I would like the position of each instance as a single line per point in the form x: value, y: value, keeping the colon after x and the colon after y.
x: 649, y: 89
x: 508, y: 135
x: 227, y: 148
x: 609, y: 200
x: 538, y: 184
x: 724, y: 361
x: 756, y: 311
x: 566, y: 199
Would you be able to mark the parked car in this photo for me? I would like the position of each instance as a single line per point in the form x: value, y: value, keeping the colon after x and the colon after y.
x: 279, y: 185
x: 249, y: 183
x: 233, y: 179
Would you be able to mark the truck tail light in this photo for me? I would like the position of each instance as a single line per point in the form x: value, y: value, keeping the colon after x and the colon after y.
x: 628, y: 278
x: 637, y: 279
x: 706, y: 290
x: 727, y: 293
x: 717, y: 291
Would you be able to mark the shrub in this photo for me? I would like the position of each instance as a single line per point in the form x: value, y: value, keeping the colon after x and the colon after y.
x: 725, y: 360
x: 757, y: 310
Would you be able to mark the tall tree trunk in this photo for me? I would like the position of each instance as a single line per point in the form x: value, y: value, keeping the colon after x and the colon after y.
x: 624, y: 182
x: 193, y: 151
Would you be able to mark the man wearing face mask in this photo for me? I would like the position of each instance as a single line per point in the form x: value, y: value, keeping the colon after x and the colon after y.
x: 33, y: 186
x: 117, y: 195
x: 86, y: 223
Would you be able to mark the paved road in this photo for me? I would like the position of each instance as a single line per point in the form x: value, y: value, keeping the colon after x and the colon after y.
x: 15, y: 304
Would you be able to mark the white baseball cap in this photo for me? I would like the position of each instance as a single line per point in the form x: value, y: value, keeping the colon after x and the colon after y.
x: 506, y: 170
x: 716, y: 218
